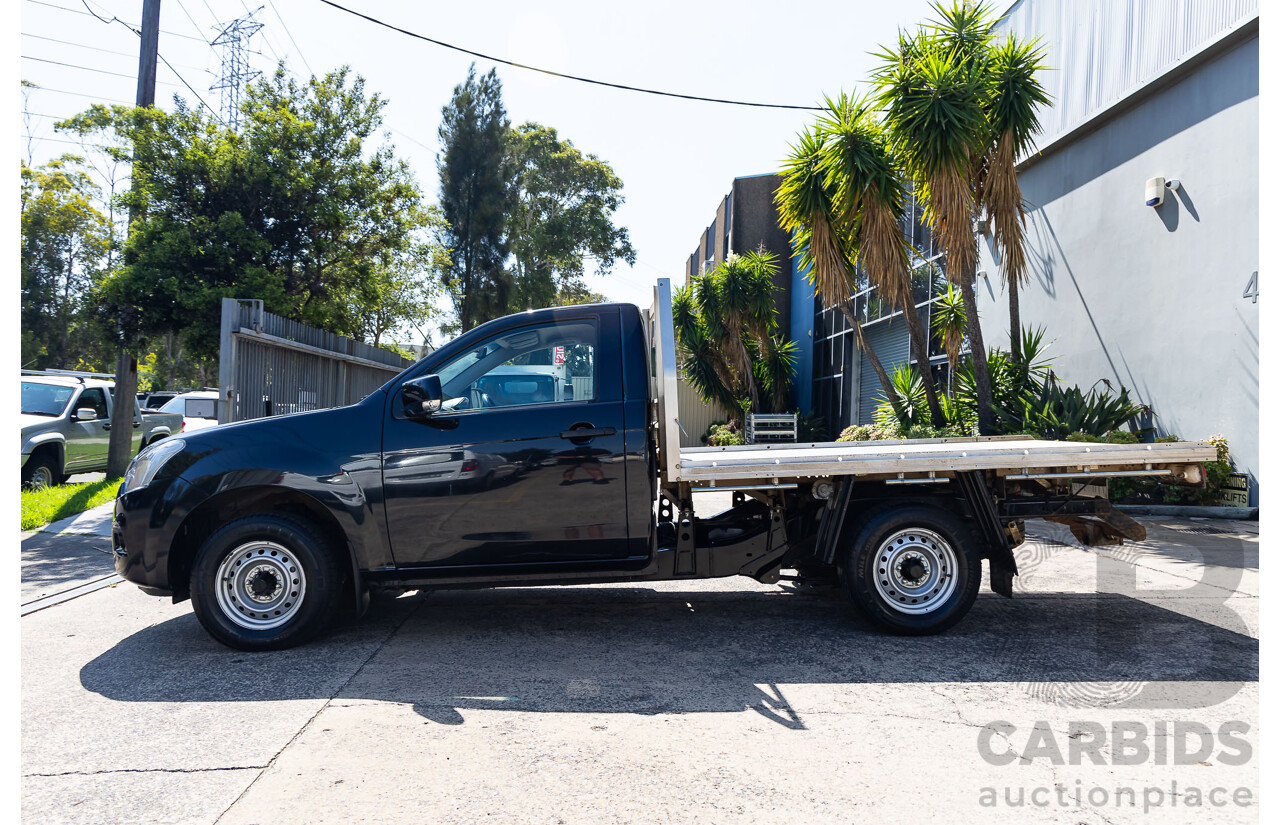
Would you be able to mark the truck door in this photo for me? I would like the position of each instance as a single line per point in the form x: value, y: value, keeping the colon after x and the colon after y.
x: 508, y: 471
x: 87, y: 440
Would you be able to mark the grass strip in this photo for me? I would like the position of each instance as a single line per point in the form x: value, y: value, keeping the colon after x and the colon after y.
x: 41, y: 507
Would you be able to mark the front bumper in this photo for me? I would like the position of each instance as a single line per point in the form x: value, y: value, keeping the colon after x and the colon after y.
x: 143, y: 527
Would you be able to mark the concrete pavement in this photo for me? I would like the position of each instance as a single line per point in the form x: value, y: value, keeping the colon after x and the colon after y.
x: 716, y: 702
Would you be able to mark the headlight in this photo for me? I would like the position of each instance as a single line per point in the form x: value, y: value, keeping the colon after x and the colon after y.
x: 148, y: 463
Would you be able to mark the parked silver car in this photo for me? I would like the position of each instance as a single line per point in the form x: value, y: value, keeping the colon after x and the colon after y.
x: 66, y: 425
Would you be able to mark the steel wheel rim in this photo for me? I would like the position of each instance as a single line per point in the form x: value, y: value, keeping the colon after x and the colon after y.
x: 260, y: 585
x: 915, y: 571
x: 41, y: 477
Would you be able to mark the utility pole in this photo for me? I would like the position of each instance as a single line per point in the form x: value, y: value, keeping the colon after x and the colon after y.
x: 124, y: 396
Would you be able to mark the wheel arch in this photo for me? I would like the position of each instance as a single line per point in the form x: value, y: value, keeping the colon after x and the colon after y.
x: 229, y: 505
x: 53, y: 447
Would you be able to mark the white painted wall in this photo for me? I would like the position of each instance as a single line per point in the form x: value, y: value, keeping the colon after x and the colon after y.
x: 1151, y: 298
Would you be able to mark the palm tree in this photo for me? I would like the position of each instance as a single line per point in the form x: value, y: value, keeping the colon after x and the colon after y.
x: 1012, y: 121
x: 935, y: 110
x: 808, y: 208
x: 962, y: 110
x: 870, y: 196
x: 730, y: 346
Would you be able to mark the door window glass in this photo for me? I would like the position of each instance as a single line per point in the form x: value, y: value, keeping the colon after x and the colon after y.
x: 94, y: 399
x: 544, y: 364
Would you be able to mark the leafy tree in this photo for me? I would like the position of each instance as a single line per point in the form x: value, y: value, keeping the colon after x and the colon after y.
x: 475, y: 192
x: 300, y: 209
x: 64, y: 244
x: 109, y: 161
x: 562, y: 211
x: 396, y: 295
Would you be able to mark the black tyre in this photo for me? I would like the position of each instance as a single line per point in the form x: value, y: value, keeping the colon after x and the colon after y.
x: 913, y: 570
x: 266, y: 582
x: 40, y: 471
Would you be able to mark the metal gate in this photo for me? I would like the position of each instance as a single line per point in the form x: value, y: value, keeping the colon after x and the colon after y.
x: 268, y: 365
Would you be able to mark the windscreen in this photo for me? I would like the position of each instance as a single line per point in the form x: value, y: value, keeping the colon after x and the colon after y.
x: 45, y: 399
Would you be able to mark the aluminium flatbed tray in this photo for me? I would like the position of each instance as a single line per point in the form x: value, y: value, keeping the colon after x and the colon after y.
x: 916, y: 459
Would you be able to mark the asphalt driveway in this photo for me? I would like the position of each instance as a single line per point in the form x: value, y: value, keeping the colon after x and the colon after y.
x: 716, y: 702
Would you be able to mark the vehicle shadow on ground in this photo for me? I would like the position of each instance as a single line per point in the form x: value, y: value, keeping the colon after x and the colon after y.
x: 641, y: 650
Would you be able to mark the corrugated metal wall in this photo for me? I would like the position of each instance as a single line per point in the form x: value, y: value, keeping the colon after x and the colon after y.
x: 892, y: 345
x: 1101, y: 51
x: 695, y: 416
x: 260, y: 377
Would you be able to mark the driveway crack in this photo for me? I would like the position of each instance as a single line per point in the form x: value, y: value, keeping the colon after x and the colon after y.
x: 327, y: 702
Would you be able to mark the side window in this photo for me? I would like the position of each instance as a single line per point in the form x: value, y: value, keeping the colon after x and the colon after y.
x: 543, y: 364
x: 95, y: 399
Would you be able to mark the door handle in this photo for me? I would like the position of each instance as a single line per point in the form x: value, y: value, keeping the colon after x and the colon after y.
x: 106, y: 426
x: 137, y: 424
x: 584, y: 433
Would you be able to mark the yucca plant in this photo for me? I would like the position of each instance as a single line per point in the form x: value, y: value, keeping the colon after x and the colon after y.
x: 961, y: 109
x: 808, y: 209
x: 729, y: 346
x: 869, y: 199
x: 1012, y: 123
x: 949, y: 324
x: 912, y: 410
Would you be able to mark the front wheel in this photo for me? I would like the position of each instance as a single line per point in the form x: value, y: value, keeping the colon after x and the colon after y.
x: 265, y: 582
x: 40, y: 472
x: 913, y: 570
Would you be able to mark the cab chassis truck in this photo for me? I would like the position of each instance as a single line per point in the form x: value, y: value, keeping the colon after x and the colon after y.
x: 269, y: 526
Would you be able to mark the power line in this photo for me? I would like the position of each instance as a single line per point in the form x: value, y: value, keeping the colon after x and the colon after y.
x: 90, y: 13
x: 274, y: 53
x: 194, y: 25
x: 112, y: 51
x: 493, y: 59
x: 88, y: 68
x: 290, y: 34
x: 114, y: 19
x: 82, y: 94
x: 64, y: 140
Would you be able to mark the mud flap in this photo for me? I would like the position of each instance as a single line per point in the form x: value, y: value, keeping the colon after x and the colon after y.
x: 1000, y: 560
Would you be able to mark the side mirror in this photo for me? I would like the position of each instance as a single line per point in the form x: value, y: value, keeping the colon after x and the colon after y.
x: 422, y: 396
x: 85, y: 414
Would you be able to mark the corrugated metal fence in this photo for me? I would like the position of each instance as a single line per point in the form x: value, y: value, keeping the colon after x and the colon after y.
x: 268, y: 365
x: 695, y: 416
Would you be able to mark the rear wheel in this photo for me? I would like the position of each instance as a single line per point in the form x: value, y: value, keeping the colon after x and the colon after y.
x: 913, y: 570
x: 265, y: 582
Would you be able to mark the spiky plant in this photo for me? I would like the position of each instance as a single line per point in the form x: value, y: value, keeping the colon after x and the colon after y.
x: 729, y: 345
x: 1012, y: 123
x: 949, y: 324
x: 808, y: 206
x: 870, y: 196
x: 934, y: 96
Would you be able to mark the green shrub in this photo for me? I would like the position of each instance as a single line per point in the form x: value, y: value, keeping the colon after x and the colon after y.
x: 1152, y: 491
x: 722, y: 435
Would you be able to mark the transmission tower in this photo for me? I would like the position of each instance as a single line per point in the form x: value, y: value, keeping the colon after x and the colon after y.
x: 236, y: 73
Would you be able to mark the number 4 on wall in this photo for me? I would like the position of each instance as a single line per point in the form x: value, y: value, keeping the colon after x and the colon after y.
x: 1251, y: 288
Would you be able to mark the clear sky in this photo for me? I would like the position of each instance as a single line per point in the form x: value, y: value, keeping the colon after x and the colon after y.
x: 675, y: 157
